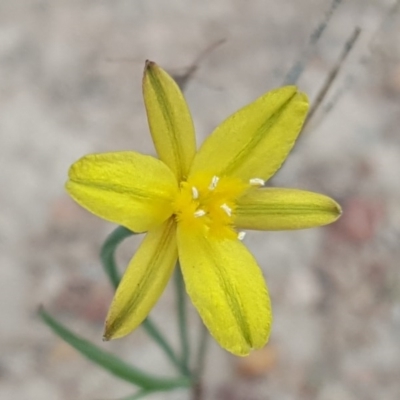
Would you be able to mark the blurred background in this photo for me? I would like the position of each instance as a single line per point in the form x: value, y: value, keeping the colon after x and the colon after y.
x: 70, y: 84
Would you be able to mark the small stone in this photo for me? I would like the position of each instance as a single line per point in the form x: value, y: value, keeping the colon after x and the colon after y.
x: 258, y: 363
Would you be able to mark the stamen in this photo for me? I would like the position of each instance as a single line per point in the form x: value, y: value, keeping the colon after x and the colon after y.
x: 199, y: 213
x: 214, y: 182
x: 241, y: 235
x: 227, y: 209
x: 195, y: 193
x: 257, y: 182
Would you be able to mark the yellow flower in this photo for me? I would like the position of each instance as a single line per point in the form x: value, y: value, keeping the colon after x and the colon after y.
x: 193, y: 206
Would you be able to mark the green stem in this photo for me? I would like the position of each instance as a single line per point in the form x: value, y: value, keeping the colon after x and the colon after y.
x: 155, y: 334
x: 182, y: 317
x: 201, y: 352
x: 107, y: 256
x: 197, y: 386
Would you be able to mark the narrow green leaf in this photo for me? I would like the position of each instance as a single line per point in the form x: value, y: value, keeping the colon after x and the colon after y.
x: 110, y: 362
x: 107, y: 254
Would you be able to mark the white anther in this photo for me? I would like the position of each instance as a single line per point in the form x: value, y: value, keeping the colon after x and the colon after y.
x: 241, y: 235
x: 257, y: 182
x: 195, y: 193
x: 227, y: 209
x: 199, y: 213
x: 214, y: 182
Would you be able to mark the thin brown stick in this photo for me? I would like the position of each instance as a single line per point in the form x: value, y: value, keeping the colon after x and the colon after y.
x: 332, y: 75
x: 183, y: 78
x: 299, y: 66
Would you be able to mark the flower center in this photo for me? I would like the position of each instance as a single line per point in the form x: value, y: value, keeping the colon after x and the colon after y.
x: 206, y: 204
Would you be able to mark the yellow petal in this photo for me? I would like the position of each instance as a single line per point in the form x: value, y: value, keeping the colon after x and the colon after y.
x: 143, y: 282
x: 284, y: 209
x: 254, y: 141
x: 228, y: 289
x: 169, y: 119
x: 127, y: 188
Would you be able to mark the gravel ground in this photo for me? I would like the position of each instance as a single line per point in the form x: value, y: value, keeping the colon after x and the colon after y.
x: 70, y: 76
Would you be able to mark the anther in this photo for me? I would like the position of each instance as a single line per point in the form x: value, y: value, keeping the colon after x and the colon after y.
x: 227, y: 209
x: 199, y: 213
x: 214, y: 182
x: 195, y: 193
x: 241, y: 235
x: 257, y: 182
